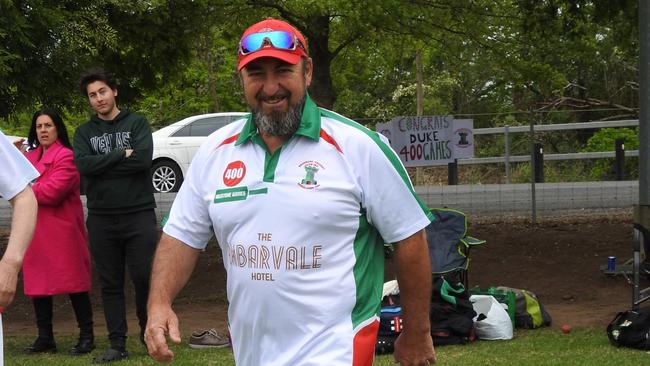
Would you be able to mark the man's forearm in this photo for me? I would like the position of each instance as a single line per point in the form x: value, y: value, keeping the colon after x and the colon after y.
x: 173, y: 264
x: 414, y: 278
x: 141, y: 146
x: 89, y: 164
x: 23, y: 223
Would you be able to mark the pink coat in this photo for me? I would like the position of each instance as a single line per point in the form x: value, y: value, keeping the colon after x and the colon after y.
x: 57, y: 261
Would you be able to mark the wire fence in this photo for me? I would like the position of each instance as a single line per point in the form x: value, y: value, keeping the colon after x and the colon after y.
x: 492, y: 201
x: 498, y: 183
x: 503, y: 201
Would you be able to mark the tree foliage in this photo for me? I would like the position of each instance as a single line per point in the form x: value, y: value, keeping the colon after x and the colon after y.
x: 46, y: 45
x: 498, y: 61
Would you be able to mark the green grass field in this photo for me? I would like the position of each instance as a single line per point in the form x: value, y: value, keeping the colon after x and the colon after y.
x: 529, y: 347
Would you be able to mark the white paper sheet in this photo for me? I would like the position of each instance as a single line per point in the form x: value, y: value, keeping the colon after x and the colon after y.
x: 2, y: 344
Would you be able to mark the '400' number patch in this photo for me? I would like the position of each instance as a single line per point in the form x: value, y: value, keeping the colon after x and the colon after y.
x: 234, y: 173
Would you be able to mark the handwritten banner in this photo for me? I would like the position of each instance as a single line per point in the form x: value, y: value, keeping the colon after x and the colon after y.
x: 429, y: 140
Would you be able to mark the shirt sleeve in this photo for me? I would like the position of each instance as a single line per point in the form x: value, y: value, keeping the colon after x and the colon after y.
x: 391, y: 204
x: 189, y: 220
x: 17, y: 172
x: 89, y: 163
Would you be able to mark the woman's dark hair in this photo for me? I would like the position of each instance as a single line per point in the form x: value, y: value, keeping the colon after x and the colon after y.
x: 61, y: 131
x: 96, y: 74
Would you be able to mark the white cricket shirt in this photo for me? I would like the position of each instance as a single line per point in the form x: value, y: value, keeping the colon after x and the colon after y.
x: 17, y: 172
x: 301, y: 234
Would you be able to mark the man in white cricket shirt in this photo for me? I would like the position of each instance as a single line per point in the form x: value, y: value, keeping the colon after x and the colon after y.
x: 15, y: 177
x: 301, y: 200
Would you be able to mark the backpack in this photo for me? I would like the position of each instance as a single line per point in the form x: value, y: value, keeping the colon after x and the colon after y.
x: 451, y: 313
x: 529, y: 311
x: 630, y: 329
x: 390, y: 324
x: 451, y: 316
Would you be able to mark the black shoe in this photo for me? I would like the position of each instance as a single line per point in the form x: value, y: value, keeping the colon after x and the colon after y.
x: 111, y: 355
x: 85, y: 345
x: 42, y: 345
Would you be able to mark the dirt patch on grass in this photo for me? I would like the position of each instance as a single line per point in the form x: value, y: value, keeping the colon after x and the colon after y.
x: 558, y: 259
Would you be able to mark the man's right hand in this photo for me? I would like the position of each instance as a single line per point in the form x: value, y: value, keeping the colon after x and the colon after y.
x: 162, y: 322
x: 20, y: 144
x: 172, y: 267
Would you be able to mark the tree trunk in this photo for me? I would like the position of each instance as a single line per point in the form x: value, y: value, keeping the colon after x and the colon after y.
x: 321, y: 90
x: 418, y: 83
x: 212, y: 82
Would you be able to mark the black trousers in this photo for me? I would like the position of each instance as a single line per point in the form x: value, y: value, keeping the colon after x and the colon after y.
x: 117, y: 241
x: 83, y: 311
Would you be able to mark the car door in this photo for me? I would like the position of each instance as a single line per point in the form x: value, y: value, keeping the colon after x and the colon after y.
x: 174, y: 146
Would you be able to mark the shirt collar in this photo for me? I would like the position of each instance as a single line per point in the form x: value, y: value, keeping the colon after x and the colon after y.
x: 309, y: 123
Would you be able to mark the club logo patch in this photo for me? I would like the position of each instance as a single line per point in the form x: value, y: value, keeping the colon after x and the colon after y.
x: 311, y: 168
x: 234, y: 173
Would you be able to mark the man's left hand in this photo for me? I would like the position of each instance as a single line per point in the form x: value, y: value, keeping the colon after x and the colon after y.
x: 413, y: 349
x: 8, y: 281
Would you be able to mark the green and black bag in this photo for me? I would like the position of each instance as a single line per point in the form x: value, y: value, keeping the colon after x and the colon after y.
x: 451, y: 313
x: 529, y: 311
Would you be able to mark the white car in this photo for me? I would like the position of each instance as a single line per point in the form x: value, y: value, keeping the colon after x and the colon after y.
x: 174, y: 147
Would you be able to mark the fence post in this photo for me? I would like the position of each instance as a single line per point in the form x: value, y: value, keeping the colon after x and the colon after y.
x: 452, y: 173
x: 506, y: 137
x: 531, y: 141
x: 538, y: 163
x: 619, y: 146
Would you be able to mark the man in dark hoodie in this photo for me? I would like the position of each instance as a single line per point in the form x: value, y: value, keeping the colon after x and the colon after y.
x: 113, y: 154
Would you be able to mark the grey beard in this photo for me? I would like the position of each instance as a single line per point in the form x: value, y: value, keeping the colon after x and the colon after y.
x: 279, y: 123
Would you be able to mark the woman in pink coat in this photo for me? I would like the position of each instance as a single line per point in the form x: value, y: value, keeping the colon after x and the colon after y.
x: 57, y: 261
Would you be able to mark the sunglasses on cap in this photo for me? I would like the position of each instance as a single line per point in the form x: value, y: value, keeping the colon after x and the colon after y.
x: 281, y: 40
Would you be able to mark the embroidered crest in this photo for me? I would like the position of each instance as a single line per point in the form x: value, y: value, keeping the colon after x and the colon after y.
x: 311, y: 168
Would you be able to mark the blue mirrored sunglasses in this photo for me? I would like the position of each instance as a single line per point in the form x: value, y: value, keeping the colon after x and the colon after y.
x: 281, y: 40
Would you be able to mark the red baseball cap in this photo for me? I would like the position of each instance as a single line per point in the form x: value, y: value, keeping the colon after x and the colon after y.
x: 268, y: 50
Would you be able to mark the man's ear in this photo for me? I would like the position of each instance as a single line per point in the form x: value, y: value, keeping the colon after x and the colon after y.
x: 309, y: 70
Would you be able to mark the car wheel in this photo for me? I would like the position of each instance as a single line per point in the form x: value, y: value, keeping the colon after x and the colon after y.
x: 166, y: 176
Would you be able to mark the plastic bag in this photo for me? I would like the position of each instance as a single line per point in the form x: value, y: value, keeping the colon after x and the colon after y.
x: 492, y: 321
x: 390, y: 288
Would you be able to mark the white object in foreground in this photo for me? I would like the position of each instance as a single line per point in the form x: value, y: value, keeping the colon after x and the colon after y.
x: 497, y: 324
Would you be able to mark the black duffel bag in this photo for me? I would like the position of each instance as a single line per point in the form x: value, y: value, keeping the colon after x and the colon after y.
x: 630, y: 329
